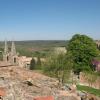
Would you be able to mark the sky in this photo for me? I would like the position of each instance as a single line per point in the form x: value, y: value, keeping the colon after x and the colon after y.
x: 49, y: 19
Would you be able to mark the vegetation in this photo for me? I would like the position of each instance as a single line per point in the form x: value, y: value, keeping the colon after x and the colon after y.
x: 32, y: 64
x: 91, y: 77
x: 80, y: 51
x: 83, y: 50
x: 59, y: 66
x: 89, y: 90
x: 38, y: 64
x: 29, y: 48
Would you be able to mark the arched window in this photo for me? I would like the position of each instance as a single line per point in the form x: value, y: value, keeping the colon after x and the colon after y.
x: 7, y: 58
x: 14, y: 60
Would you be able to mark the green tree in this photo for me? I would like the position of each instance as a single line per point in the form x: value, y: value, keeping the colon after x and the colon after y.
x: 32, y: 64
x: 58, y: 66
x: 83, y: 50
x: 38, y: 64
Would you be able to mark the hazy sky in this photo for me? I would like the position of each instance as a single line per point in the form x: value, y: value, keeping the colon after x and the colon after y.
x: 48, y: 19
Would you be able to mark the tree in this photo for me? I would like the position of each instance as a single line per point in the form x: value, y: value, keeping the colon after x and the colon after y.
x: 58, y: 66
x: 38, y: 64
x: 32, y: 64
x: 83, y: 50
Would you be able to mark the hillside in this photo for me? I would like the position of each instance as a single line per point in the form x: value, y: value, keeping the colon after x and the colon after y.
x: 31, y: 47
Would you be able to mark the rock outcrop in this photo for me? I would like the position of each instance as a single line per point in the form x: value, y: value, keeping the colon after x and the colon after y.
x: 22, y: 84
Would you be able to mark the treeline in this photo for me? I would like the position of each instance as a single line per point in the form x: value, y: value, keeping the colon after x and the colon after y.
x: 30, y: 47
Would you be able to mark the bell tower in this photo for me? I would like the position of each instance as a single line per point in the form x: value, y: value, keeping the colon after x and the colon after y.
x: 13, y: 49
x: 5, y: 53
x: 13, y: 54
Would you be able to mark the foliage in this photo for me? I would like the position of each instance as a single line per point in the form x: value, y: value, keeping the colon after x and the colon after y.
x: 32, y: 64
x: 97, y: 58
x: 91, y: 77
x: 83, y: 50
x: 24, y: 52
x: 41, y: 53
x: 38, y: 64
x: 89, y: 90
x: 29, y: 47
x: 35, y: 65
x: 59, y: 66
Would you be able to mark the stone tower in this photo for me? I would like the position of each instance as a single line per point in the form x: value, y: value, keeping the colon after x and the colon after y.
x: 13, y: 54
x: 13, y: 49
x: 5, y: 53
x: 10, y: 56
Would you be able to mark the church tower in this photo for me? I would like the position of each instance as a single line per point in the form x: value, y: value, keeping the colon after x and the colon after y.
x: 5, y: 53
x: 10, y: 56
x: 13, y: 54
x: 13, y: 49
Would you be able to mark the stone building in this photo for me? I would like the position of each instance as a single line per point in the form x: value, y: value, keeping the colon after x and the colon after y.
x: 24, y: 61
x: 10, y: 56
x: 98, y: 44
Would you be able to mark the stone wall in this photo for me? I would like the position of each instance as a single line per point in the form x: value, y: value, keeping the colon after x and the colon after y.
x: 97, y: 42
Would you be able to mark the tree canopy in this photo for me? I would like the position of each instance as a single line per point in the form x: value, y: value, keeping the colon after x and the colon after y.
x: 83, y: 50
x: 32, y: 64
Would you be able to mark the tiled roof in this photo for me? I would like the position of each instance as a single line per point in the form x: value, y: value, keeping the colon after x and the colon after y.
x: 44, y: 98
x: 2, y: 91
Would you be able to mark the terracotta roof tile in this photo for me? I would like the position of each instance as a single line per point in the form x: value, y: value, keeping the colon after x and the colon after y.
x: 2, y: 91
x: 44, y: 98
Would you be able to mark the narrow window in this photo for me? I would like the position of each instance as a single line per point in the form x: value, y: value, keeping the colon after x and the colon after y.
x: 14, y: 60
x: 7, y: 58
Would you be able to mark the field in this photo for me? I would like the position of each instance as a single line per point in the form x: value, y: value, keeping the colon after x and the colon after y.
x: 89, y: 90
x: 34, y: 47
